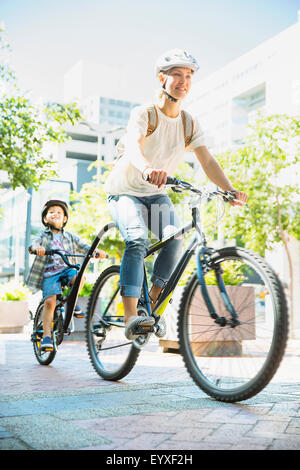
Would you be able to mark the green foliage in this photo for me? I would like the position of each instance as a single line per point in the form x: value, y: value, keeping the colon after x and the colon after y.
x: 86, y: 290
x: 260, y: 169
x: 232, y: 275
x: 25, y: 128
x: 13, y: 291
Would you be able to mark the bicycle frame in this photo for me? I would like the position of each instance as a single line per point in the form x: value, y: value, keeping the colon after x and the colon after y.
x: 178, y: 271
x: 73, y: 295
x: 198, y: 240
x: 203, y: 260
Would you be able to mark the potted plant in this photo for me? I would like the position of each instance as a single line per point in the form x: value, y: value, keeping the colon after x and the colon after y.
x: 205, y: 342
x: 14, y: 309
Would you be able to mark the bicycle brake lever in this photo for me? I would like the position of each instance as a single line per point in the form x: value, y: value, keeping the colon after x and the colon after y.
x: 176, y: 190
x: 228, y: 196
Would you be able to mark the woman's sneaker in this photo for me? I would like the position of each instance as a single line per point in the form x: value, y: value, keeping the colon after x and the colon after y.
x: 46, y: 344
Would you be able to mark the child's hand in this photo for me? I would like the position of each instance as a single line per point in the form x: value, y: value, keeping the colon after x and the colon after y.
x: 40, y: 251
x: 100, y: 254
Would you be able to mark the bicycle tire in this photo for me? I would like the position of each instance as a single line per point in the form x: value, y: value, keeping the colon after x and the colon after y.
x: 259, y: 341
x: 110, y: 353
x: 44, y: 358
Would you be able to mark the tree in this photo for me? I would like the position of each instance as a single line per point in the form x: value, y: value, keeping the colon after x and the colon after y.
x: 263, y: 169
x: 25, y: 129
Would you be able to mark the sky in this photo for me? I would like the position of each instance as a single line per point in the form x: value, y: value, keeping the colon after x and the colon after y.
x: 49, y: 36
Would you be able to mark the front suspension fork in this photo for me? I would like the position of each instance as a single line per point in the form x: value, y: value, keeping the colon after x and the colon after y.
x: 204, y: 264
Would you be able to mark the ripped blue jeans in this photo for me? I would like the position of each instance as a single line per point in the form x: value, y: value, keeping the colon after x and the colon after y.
x: 134, y: 216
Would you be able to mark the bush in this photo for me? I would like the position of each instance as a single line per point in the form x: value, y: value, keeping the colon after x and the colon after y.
x: 14, y: 291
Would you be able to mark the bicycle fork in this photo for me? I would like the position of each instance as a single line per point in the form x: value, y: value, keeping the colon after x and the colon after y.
x: 204, y: 263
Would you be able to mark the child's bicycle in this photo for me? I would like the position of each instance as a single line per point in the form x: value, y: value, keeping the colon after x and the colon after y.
x: 62, y: 323
x: 232, y: 319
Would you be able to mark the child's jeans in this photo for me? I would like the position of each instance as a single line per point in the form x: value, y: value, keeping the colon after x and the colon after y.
x: 134, y: 216
x: 52, y: 284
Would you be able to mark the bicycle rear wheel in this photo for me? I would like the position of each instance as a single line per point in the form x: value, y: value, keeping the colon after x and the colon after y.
x: 44, y: 357
x: 111, y: 354
x: 233, y: 363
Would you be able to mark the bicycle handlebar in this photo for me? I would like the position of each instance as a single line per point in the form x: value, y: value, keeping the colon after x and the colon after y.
x: 226, y: 195
x: 63, y: 256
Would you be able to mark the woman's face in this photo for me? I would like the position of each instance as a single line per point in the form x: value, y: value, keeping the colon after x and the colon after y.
x: 177, y: 82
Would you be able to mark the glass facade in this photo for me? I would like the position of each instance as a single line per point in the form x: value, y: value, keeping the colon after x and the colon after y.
x: 115, y: 112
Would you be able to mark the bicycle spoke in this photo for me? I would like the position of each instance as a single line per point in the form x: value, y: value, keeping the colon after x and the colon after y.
x: 233, y: 361
x: 112, y: 356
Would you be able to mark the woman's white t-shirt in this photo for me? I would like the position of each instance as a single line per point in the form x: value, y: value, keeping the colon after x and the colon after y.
x: 163, y: 149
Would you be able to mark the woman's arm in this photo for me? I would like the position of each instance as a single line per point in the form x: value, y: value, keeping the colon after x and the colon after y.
x: 154, y: 176
x: 215, y: 173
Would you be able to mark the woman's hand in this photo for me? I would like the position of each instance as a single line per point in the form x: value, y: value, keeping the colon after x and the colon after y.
x: 157, y: 177
x: 241, y: 198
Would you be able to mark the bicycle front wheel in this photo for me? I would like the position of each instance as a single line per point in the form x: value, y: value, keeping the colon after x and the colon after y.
x: 111, y: 354
x: 233, y: 362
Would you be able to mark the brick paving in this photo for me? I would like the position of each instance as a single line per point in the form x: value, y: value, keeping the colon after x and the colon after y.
x: 156, y: 407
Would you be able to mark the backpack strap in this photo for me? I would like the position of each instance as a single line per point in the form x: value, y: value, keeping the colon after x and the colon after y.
x: 152, y: 119
x: 188, y: 127
x: 188, y: 123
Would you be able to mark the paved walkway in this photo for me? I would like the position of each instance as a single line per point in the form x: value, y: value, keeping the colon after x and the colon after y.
x: 156, y: 407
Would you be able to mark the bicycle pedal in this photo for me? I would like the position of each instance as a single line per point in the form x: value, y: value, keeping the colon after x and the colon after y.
x: 144, y: 330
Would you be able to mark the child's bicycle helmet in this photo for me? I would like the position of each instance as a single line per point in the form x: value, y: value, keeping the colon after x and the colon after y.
x: 55, y: 202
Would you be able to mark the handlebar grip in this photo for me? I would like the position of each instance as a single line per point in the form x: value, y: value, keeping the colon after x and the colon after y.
x: 171, y: 180
x: 47, y: 252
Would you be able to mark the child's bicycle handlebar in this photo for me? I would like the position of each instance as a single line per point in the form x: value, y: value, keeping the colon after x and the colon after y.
x: 64, y: 256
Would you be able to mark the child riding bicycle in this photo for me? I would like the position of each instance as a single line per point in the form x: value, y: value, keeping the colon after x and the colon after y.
x: 50, y: 273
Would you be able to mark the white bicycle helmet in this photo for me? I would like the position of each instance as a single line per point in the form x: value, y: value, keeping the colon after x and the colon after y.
x: 175, y: 58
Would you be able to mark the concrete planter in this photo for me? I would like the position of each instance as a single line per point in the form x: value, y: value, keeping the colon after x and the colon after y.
x: 204, y: 342
x: 14, y: 315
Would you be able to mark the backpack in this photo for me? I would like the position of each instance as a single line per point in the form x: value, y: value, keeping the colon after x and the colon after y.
x: 188, y: 127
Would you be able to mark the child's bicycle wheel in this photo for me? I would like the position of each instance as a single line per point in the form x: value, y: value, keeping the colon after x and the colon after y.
x: 43, y: 357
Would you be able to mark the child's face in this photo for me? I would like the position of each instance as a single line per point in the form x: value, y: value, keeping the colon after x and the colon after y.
x: 55, y: 216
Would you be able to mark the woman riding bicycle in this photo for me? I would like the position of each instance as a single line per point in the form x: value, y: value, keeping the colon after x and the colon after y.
x: 136, y: 195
